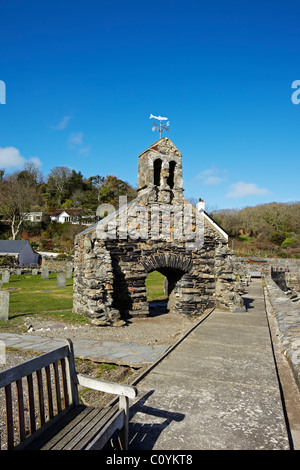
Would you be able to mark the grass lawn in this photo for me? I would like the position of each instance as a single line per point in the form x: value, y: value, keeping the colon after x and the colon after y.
x: 155, y: 286
x: 31, y: 295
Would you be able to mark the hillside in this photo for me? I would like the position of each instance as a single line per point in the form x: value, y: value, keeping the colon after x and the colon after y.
x: 266, y: 230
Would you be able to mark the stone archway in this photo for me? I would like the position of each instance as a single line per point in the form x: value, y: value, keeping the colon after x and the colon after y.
x: 176, y: 269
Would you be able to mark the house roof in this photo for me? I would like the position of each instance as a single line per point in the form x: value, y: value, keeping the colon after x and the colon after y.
x: 13, y: 246
x: 67, y: 211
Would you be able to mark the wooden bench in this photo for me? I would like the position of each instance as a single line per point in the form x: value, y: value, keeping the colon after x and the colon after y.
x: 60, y: 422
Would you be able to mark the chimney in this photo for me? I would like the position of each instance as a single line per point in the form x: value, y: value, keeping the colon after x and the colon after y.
x: 200, y: 205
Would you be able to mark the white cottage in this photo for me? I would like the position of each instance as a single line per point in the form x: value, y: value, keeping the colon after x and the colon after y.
x: 68, y: 215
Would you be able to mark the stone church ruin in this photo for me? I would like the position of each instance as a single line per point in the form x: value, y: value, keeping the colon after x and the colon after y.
x: 158, y: 231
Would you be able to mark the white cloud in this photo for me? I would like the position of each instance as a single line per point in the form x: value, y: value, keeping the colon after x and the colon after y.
x: 242, y: 189
x: 62, y: 124
x: 75, y: 139
x: 85, y: 150
x: 10, y: 157
x: 36, y: 161
x: 212, y: 176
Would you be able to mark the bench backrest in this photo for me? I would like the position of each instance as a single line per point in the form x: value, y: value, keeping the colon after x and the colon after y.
x: 36, y: 391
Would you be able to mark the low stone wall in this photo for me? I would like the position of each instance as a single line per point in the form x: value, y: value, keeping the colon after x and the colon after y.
x: 56, y: 265
x: 287, y: 314
x: 285, y: 272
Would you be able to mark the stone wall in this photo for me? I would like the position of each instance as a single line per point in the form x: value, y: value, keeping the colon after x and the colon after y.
x: 55, y: 265
x: 287, y: 314
x: 285, y: 272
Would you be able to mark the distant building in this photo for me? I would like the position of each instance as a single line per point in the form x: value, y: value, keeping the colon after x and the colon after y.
x: 21, y: 250
x: 72, y: 216
x: 66, y: 215
x: 36, y: 216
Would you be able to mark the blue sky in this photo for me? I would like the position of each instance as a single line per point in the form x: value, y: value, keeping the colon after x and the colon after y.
x: 82, y: 78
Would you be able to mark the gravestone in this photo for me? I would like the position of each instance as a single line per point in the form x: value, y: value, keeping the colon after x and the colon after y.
x: 45, y: 273
x: 2, y: 353
x: 69, y: 270
x: 34, y: 272
x: 18, y: 271
x: 4, y: 305
x: 5, y: 276
x: 61, y: 280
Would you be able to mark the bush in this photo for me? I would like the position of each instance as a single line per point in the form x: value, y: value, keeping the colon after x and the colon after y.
x: 61, y: 256
x: 287, y: 242
x: 278, y: 237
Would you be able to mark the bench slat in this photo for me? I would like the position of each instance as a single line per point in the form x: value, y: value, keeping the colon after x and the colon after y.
x: 65, y: 383
x: 41, y: 397
x: 49, y: 392
x: 90, y: 428
x: 21, y: 415
x: 57, y: 387
x: 31, y: 404
x: 9, y: 417
x: 78, y: 429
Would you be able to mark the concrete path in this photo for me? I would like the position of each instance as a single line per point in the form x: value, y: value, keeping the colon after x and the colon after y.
x: 217, y: 390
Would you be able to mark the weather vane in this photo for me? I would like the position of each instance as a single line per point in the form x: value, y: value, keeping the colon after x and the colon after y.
x: 160, y: 127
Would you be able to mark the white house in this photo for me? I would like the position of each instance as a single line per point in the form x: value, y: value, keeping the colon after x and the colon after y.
x: 66, y: 215
x: 34, y: 216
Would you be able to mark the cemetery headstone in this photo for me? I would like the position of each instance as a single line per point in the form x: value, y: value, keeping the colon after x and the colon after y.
x: 34, y: 272
x: 4, y: 305
x: 18, y: 271
x: 69, y: 270
x: 61, y: 280
x: 45, y: 273
x: 5, y: 276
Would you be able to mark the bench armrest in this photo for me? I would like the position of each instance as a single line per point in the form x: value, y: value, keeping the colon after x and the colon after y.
x: 104, y: 386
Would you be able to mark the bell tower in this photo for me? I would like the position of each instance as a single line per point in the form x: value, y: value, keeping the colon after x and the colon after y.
x: 160, y: 169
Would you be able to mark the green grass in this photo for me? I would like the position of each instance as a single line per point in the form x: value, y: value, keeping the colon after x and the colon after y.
x: 155, y: 286
x: 32, y: 296
x: 246, y: 238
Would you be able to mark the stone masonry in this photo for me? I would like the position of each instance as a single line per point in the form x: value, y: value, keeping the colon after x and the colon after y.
x: 114, y: 257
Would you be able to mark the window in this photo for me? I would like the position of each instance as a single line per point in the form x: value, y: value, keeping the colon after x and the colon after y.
x: 170, y: 179
x: 157, y: 171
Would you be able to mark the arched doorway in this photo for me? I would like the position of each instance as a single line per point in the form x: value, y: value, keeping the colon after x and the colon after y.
x: 176, y: 270
x: 156, y: 293
x: 161, y: 286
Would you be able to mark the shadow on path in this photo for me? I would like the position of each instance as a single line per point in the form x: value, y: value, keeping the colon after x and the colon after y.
x: 143, y: 434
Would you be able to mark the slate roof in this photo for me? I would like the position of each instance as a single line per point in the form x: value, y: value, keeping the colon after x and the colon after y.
x: 12, y: 246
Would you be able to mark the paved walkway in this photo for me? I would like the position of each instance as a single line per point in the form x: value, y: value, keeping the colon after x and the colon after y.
x: 217, y: 390
x: 106, y: 351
